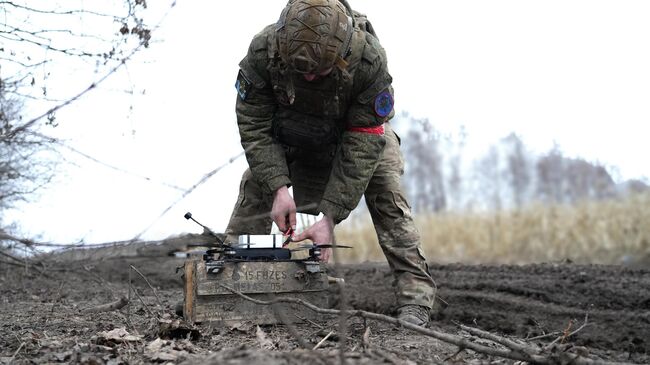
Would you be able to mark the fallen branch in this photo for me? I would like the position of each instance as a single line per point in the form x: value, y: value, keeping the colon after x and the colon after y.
x: 108, y: 307
x: 365, y: 339
x: 308, y: 320
x: 150, y: 286
x: 323, y: 340
x: 544, y: 336
x: 143, y: 303
x: 462, y: 342
x: 279, y: 313
x: 524, y: 349
x: 16, y: 353
x: 565, y: 333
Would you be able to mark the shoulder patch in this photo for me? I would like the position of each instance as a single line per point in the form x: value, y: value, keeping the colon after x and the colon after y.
x: 384, y: 104
x: 242, y: 85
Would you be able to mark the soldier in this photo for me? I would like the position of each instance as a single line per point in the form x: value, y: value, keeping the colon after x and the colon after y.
x: 314, y: 101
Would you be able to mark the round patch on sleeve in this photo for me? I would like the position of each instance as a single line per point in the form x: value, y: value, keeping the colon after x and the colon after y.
x: 384, y: 104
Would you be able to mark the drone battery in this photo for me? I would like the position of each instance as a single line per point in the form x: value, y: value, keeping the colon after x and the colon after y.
x: 262, y: 240
x: 212, y: 290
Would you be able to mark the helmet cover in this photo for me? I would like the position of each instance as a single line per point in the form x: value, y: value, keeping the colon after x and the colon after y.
x: 313, y: 35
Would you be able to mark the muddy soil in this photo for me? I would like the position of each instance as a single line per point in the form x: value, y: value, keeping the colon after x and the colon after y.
x: 42, y: 318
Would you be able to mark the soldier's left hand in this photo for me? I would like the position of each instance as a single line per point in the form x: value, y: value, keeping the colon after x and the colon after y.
x: 321, y: 233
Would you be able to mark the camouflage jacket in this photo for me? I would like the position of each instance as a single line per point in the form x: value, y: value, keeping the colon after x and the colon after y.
x: 345, y: 109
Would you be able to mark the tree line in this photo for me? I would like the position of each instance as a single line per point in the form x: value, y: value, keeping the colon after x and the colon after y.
x: 439, y: 176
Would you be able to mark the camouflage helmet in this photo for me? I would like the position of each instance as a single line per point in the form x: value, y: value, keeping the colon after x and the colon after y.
x: 314, y: 35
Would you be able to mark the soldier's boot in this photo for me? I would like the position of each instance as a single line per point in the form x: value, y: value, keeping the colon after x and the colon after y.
x: 414, y: 314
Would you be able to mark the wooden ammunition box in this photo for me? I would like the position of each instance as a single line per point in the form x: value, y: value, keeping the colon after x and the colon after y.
x: 207, y: 298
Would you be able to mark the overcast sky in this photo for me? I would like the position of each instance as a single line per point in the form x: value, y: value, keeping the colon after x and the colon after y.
x: 571, y: 72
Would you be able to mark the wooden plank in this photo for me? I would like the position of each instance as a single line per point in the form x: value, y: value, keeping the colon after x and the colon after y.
x: 188, y: 308
x: 233, y: 309
x: 260, y: 277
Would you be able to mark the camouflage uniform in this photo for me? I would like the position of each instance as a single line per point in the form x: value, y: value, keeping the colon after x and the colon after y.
x: 329, y: 139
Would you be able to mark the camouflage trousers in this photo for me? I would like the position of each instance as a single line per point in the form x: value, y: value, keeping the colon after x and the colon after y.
x: 391, y: 216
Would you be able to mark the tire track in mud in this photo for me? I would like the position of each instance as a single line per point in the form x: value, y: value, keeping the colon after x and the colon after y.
x: 530, y: 300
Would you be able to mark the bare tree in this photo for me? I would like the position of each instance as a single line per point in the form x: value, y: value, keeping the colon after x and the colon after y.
x: 455, y: 180
x: 586, y: 180
x: 518, y: 168
x: 550, y: 176
x: 37, y: 41
x: 21, y: 173
x: 424, y: 177
x: 561, y: 179
x: 489, y: 174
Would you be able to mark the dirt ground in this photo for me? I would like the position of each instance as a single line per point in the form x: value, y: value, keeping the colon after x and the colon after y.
x: 42, y: 318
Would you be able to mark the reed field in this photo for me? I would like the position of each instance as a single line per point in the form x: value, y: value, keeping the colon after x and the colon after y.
x: 615, y: 231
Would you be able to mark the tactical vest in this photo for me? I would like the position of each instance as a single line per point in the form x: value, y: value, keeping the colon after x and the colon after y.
x: 311, y: 114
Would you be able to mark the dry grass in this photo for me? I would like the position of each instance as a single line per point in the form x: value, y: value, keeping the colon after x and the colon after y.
x: 608, y: 232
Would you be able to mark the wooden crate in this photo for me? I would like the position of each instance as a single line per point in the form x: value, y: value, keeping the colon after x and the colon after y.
x: 207, y: 298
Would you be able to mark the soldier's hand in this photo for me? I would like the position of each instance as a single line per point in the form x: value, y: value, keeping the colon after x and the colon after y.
x: 283, y: 211
x: 321, y: 233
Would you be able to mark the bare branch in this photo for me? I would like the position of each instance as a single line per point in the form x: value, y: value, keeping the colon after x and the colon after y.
x: 108, y: 307
x: 187, y: 192
x: 67, y: 51
x: 459, y: 341
x: 25, y: 65
x: 68, y: 12
x: 150, y: 286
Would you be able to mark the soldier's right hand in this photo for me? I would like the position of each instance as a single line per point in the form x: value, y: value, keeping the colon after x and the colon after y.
x: 283, y: 211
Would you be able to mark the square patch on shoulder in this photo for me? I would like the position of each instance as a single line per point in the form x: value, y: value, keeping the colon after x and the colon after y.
x: 242, y: 85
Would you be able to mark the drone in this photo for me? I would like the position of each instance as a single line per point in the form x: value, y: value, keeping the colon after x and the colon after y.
x: 244, y: 250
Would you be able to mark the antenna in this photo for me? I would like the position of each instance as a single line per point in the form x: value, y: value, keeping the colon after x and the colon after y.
x: 188, y: 216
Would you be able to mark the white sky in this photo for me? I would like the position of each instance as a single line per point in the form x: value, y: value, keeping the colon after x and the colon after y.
x: 574, y: 72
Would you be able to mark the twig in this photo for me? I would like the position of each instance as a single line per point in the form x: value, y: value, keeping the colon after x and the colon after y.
x: 279, y: 312
x: 58, y: 296
x: 365, y: 340
x: 460, y: 349
x: 343, y: 302
x: 584, y: 324
x: 443, y: 301
x: 148, y: 283
x: 128, y: 309
x: 16, y: 353
x: 498, y: 339
x: 128, y: 323
x: 442, y: 336
x: 308, y: 320
x: 105, y: 284
x: 386, y: 355
x: 20, y: 263
x: 108, y: 307
x: 187, y: 192
x: 544, y: 336
x: 143, y: 303
x: 565, y: 335
x: 323, y: 340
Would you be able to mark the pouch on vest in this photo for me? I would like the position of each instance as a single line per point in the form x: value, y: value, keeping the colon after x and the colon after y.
x: 305, y: 132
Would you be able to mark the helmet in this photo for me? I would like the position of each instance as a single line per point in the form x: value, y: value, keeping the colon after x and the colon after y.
x: 314, y: 35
